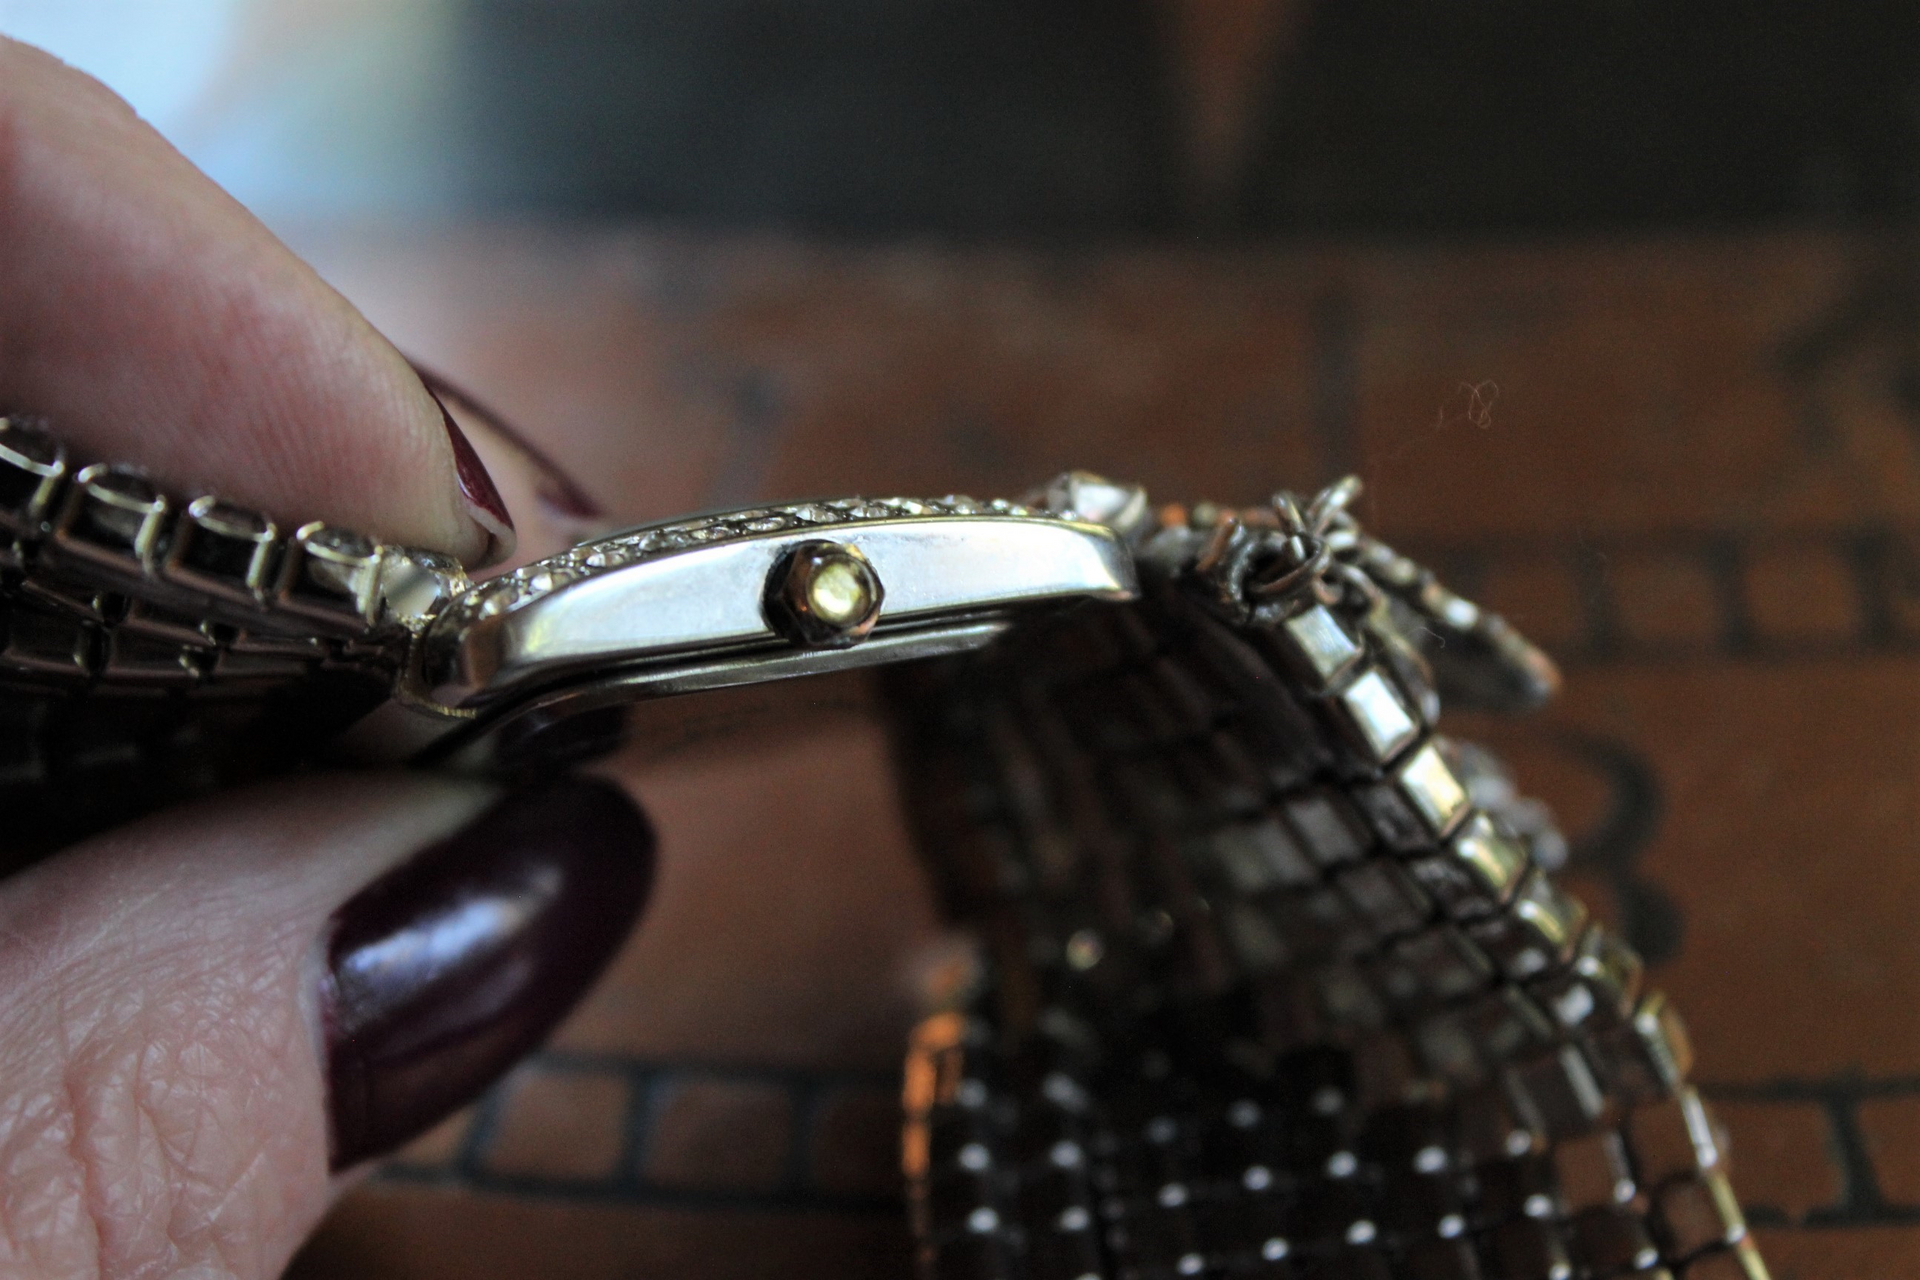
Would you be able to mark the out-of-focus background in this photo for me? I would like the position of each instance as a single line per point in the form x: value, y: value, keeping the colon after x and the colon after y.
x: 1614, y: 304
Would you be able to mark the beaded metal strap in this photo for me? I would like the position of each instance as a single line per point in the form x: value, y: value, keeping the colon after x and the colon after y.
x: 115, y: 586
x: 1274, y: 982
x: 152, y: 648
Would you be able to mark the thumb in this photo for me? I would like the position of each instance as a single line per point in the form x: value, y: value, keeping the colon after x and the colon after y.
x: 205, y: 1015
x: 156, y: 322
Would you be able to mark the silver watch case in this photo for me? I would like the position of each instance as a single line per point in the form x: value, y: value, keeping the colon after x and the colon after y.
x: 744, y: 597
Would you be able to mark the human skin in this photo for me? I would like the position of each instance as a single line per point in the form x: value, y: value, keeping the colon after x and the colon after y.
x: 170, y: 992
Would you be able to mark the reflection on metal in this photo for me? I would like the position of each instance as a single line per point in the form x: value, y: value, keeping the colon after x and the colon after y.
x: 694, y: 594
x: 824, y: 595
x: 475, y: 1161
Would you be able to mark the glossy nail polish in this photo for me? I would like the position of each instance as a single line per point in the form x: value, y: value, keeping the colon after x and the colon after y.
x: 482, y: 497
x: 555, y: 488
x: 446, y: 971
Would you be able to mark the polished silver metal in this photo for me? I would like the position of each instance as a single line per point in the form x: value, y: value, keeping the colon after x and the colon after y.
x: 671, y: 596
x: 123, y: 589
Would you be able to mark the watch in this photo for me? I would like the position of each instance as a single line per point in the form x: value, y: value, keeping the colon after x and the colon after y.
x: 1273, y: 980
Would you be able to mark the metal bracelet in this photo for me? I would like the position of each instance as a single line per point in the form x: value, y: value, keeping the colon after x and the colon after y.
x: 1273, y: 985
x: 1266, y: 991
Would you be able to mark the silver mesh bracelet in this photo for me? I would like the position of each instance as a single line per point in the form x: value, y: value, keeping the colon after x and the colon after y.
x: 1265, y: 993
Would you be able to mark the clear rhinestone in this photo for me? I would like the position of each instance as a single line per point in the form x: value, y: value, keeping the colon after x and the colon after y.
x: 815, y: 513
x: 1322, y: 644
x: 1427, y: 780
x: 1380, y: 715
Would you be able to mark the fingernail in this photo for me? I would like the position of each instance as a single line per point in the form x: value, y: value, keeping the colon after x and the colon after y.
x: 555, y: 487
x: 484, y: 504
x: 448, y: 970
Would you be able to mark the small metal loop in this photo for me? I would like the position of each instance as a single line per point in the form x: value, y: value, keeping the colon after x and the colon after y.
x: 1332, y: 501
x: 1287, y: 507
x: 1356, y: 581
x: 1226, y: 532
x: 1314, y: 566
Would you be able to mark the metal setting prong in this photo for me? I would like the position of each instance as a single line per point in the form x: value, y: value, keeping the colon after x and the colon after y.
x: 824, y: 595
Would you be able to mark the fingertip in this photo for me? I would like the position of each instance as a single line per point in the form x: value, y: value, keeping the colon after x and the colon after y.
x: 448, y: 970
x: 154, y: 321
x: 478, y: 493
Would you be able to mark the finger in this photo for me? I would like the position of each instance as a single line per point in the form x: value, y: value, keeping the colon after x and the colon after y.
x: 155, y: 321
x: 554, y: 510
x: 202, y: 1015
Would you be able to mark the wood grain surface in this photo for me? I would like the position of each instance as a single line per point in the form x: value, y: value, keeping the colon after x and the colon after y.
x: 1690, y: 466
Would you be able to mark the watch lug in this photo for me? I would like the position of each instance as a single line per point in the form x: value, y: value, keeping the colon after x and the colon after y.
x: 1083, y: 495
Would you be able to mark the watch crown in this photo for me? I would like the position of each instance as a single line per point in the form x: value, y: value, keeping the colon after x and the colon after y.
x: 824, y: 595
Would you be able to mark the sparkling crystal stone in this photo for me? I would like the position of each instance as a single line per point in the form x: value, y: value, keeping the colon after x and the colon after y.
x: 1379, y: 714
x: 1428, y: 782
x: 117, y: 483
x: 23, y: 439
x: 1323, y: 646
x: 225, y: 518
x: 1494, y: 860
x: 816, y: 513
x: 340, y: 541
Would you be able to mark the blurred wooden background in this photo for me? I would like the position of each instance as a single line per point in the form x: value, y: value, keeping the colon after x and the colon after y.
x: 1689, y: 464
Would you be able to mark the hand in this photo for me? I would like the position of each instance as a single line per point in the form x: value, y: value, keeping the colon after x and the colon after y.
x: 208, y: 1016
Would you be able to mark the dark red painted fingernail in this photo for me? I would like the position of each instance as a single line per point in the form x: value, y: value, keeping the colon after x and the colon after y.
x: 482, y: 497
x: 445, y: 972
x: 555, y: 487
